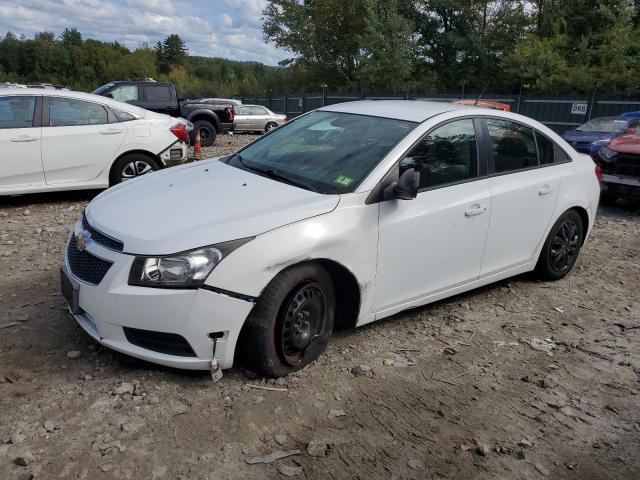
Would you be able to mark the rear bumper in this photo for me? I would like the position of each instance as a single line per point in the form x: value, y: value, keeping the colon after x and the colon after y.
x: 174, y: 155
x: 226, y: 127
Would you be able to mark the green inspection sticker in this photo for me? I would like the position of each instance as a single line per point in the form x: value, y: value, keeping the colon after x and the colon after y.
x: 344, y: 181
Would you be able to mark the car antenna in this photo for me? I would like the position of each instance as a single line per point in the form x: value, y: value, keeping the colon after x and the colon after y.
x: 481, y: 94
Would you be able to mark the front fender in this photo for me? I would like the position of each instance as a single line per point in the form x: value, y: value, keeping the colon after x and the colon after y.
x: 348, y: 235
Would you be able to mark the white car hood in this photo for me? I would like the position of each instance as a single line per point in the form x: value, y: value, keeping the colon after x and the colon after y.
x: 197, y: 205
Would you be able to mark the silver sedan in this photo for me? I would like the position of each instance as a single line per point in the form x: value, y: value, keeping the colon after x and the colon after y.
x: 251, y: 118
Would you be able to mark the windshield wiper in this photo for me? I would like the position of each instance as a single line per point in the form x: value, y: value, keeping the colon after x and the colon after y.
x: 271, y: 173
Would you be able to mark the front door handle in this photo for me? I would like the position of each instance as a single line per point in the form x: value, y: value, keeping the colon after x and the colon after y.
x: 545, y: 190
x: 476, y: 209
x: 23, y: 138
x: 111, y: 131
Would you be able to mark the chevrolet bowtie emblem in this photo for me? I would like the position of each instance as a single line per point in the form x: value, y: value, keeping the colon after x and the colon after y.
x: 82, y: 239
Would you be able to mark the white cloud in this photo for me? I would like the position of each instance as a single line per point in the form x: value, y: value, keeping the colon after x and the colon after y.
x: 235, y: 34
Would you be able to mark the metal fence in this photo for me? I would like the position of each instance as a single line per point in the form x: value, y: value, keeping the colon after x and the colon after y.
x: 558, y: 113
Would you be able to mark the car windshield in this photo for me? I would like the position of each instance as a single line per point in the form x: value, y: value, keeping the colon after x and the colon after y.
x: 607, y: 125
x: 326, y: 152
x: 103, y: 88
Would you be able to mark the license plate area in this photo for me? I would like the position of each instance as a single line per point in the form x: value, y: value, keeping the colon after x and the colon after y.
x: 70, y: 292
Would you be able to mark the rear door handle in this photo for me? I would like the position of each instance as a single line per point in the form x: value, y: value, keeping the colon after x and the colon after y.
x: 23, y: 138
x: 111, y: 131
x: 476, y: 209
x: 545, y: 190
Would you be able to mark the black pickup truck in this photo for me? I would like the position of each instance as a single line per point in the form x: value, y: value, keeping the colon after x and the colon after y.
x: 209, y: 115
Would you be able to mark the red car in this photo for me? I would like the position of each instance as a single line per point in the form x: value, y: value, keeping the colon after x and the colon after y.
x: 619, y: 161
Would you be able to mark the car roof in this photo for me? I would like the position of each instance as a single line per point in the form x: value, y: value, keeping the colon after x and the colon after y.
x: 73, y: 94
x: 408, y: 110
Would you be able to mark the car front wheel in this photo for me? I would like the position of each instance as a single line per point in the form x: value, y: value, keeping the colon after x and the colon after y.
x: 291, y: 323
x: 562, y: 246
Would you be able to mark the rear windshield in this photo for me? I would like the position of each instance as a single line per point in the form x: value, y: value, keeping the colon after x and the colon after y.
x: 607, y: 125
x: 328, y: 152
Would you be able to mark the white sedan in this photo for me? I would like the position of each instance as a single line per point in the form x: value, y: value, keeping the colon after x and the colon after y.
x: 62, y: 140
x: 343, y: 216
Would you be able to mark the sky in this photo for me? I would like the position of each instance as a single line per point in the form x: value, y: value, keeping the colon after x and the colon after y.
x: 211, y: 28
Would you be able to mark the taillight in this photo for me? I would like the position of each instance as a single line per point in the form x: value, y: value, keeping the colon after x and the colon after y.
x: 599, y: 173
x: 180, y: 131
x: 286, y: 119
x: 232, y: 113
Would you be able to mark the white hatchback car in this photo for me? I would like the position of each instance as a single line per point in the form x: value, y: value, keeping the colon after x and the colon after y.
x: 343, y: 216
x: 62, y: 140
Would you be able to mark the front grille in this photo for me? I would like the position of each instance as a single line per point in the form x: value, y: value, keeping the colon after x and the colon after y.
x: 626, y: 165
x: 84, y: 265
x: 161, y: 342
x: 586, y: 150
x: 101, y: 238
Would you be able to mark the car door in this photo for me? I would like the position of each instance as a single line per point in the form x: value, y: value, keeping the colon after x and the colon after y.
x: 78, y: 142
x: 524, y: 189
x: 435, y: 241
x: 259, y: 117
x: 159, y: 98
x: 242, y: 119
x: 20, y: 132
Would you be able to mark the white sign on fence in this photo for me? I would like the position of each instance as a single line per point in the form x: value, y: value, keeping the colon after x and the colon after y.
x: 579, y: 108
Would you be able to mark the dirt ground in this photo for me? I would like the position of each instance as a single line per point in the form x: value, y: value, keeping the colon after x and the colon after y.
x: 518, y: 380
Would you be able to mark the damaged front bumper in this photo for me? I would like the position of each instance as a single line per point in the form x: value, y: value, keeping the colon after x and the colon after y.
x: 171, y: 327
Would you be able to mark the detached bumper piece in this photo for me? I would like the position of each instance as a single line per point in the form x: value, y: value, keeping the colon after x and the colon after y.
x: 166, y: 343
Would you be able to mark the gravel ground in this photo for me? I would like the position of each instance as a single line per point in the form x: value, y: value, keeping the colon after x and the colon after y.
x: 520, y: 379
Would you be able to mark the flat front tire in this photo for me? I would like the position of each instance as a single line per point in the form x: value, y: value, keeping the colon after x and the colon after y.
x: 291, y: 323
x: 562, y: 246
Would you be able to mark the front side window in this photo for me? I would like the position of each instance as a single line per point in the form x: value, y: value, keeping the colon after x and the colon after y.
x: 327, y: 152
x: 69, y: 111
x: 513, y: 144
x: 17, y: 112
x: 446, y: 155
x: 125, y: 93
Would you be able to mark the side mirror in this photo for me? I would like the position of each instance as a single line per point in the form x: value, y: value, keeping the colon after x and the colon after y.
x: 406, y: 188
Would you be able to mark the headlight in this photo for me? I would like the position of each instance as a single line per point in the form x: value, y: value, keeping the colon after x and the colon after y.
x: 607, y: 153
x: 181, y: 270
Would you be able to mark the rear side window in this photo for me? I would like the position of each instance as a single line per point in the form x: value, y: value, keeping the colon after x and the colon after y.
x: 513, y: 144
x: 65, y: 112
x: 17, y: 112
x: 446, y: 155
x: 122, y: 116
x: 258, y: 111
x: 125, y: 93
x: 243, y: 111
x: 158, y: 93
x: 546, y: 149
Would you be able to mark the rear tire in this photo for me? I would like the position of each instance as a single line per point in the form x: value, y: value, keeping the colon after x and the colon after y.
x: 561, y: 248
x: 270, y: 126
x: 291, y: 323
x: 131, y: 166
x: 208, y: 132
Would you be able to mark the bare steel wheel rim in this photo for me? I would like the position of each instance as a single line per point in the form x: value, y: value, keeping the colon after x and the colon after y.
x: 302, y: 321
x: 135, y: 169
x: 564, y: 246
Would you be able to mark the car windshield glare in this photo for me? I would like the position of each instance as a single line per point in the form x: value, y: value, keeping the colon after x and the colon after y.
x: 607, y: 125
x: 328, y: 151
